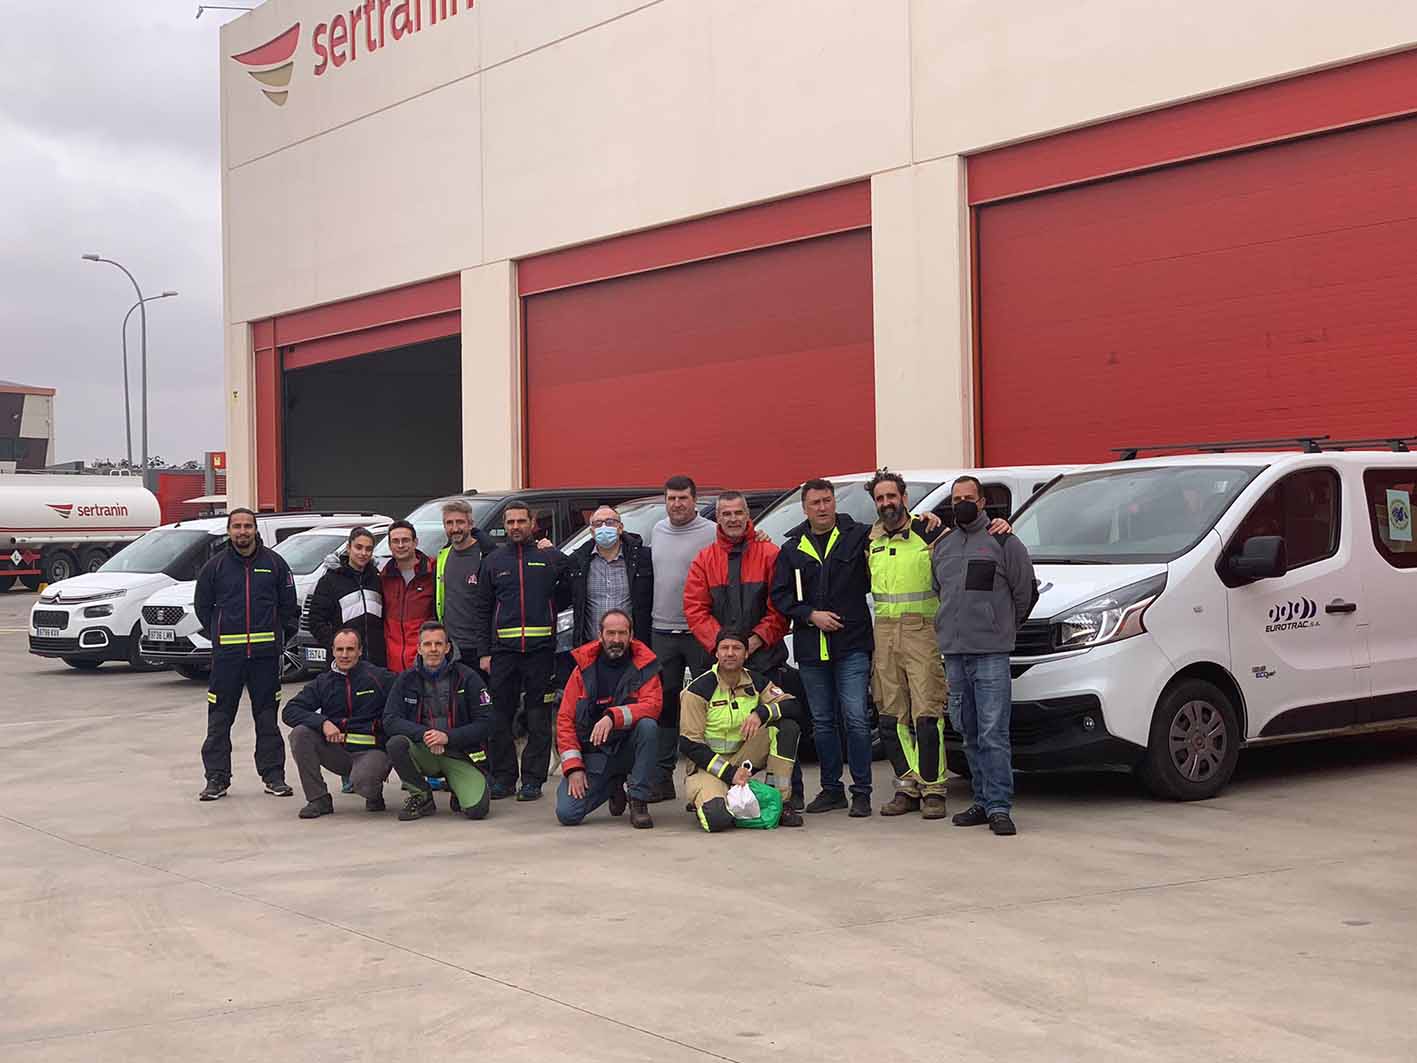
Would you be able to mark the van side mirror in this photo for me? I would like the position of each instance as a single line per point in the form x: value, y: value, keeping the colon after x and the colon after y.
x: 1260, y: 557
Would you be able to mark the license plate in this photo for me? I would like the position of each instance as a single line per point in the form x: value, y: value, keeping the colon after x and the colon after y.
x: 162, y: 634
x: 314, y: 654
x: 48, y: 632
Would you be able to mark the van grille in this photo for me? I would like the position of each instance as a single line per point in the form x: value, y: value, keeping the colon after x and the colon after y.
x: 163, y: 615
x: 1035, y: 639
x: 55, y: 618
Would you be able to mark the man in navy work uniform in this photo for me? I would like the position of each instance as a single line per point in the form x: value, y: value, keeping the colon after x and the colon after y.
x: 245, y: 601
x: 985, y: 586
x: 521, y: 588
x: 336, y: 722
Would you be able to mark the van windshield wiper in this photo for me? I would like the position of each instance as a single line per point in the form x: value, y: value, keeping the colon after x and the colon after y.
x: 1071, y: 561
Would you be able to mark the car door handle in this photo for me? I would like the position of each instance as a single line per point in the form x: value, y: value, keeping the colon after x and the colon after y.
x: 1338, y: 605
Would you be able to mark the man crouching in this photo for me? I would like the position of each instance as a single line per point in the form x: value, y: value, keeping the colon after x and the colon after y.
x: 438, y: 719
x: 728, y: 717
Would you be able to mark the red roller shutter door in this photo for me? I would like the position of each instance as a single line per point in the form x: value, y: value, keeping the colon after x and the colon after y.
x: 750, y: 370
x: 1263, y: 293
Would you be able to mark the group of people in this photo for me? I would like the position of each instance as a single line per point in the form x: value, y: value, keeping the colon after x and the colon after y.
x: 432, y: 659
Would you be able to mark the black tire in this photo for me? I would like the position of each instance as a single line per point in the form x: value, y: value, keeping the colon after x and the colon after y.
x: 92, y: 559
x: 6, y: 582
x: 83, y: 664
x: 1194, y: 743
x: 31, y: 583
x: 192, y: 671
x: 60, y: 564
x: 135, y: 657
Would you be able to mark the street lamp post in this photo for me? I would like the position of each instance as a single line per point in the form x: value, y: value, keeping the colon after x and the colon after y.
x: 127, y: 405
x: 143, y: 321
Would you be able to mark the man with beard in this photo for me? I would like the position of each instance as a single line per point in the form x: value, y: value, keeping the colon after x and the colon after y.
x: 457, y: 571
x: 607, y: 728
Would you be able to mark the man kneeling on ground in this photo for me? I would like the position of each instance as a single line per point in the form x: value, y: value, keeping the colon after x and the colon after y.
x: 728, y: 717
x: 608, y: 726
x: 335, y: 724
x: 439, y: 718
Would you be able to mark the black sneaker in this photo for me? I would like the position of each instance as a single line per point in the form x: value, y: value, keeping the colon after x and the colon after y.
x: 1002, y: 825
x: 321, y: 806
x: 618, y: 798
x: 826, y: 802
x: 419, y: 804
x: 501, y: 790
x: 790, y: 817
x: 374, y: 804
x: 973, y: 816
x: 662, y: 792
x: 860, y: 806
x: 530, y: 791
x: 454, y: 805
x: 215, y: 789
x: 279, y: 788
x: 797, y: 801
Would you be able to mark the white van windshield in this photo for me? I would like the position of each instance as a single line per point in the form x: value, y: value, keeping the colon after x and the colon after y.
x: 851, y: 498
x: 1128, y: 515
x: 158, y: 550
x: 427, y: 521
x: 306, y: 552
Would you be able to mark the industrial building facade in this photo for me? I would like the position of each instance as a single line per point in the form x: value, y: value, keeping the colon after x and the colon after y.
x: 549, y: 242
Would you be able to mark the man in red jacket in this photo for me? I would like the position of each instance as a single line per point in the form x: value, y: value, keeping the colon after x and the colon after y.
x: 608, y: 726
x: 408, y: 585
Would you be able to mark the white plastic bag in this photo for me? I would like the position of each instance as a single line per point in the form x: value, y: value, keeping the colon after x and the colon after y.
x: 742, y: 802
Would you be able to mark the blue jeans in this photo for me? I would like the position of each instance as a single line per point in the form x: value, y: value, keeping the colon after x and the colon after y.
x: 634, y: 755
x: 837, y: 689
x: 981, y: 705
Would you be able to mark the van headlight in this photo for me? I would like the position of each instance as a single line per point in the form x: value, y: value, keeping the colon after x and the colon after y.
x: 1110, y: 617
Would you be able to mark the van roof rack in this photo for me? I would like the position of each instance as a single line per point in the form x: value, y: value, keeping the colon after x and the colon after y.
x: 1394, y: 443
x: 1310, y: 445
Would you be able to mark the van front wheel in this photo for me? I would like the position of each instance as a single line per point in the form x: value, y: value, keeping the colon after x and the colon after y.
x: 1195, y: 741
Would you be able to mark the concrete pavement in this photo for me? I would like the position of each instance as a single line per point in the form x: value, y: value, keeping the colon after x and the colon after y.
x: 1277, y: 922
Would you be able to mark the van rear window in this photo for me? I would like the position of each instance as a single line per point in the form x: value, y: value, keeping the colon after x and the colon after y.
x: 1390, y: 493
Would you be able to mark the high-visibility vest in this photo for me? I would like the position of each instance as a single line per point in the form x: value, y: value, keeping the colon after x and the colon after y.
x: 807, y: 547
x: 438, y: 592
x: 723, y: 722
x: 901, y: 579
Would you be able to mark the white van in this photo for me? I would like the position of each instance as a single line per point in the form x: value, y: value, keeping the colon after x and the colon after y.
x: 1197, y: 604
x: 172, y: 634
x: 95, y: 617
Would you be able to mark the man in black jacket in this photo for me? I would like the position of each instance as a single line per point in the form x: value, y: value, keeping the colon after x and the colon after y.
x: 438, y: 718
x: 521, y: 588
x: 611, y: 570
x: 245, y: 600
x: 336, y: 722
x: 350, y: 594
x: 820, y: 582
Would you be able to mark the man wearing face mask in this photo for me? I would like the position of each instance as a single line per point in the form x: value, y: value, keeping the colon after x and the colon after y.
x: 986, y: 590
x: 350, y: 594
x: 613, y: 570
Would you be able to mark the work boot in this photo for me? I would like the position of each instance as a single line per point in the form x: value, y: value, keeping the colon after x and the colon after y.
x: 973, y: 816
x: 1002, y: 824
x: 419, y: 804
x: 639, y: 815
x: 454, y: 805
x: 825, y: 802
x: 617, y: 798
x: 797, y: 800
x: 933, y: 807
x: 374, y: 804
x: 501, y: 790
x: 790, y: 817
x: 278, y: 787
x: 901, y: 804
x: 321, y: 806
x: 215, y: 789
x: 530, y: 791
x: 860, y: 806
x: 663, y: 791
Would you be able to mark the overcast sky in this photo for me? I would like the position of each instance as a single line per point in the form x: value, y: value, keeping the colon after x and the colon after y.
x: 109, y: 142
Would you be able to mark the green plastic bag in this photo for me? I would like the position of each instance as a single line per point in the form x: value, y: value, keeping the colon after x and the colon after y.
x: 769, y: 807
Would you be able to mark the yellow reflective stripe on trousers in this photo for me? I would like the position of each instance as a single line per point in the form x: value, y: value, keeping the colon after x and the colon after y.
x: 211, y: 697
x: 518, y: 632
x: 351, y: 739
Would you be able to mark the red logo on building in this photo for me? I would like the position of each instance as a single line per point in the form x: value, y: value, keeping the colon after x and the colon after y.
x: 272, y: 63
x: 65, y: 511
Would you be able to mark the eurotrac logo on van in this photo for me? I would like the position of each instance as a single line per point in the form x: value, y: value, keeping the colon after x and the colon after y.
x: 1297, y: 615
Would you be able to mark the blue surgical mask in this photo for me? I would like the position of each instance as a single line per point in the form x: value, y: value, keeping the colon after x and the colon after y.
x: 606, y: 536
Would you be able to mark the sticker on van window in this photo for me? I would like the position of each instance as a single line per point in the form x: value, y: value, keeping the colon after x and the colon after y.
x: 1399, y: 516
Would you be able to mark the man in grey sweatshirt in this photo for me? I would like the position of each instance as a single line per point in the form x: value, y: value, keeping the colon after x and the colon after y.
x: 985, y: 585
x: 678, y: 538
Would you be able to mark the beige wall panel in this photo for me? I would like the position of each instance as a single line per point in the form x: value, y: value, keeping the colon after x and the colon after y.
x: 686, y: 108
x: 921, y: 292
x: 987, y: 73
x: 491, y: 377
x: 239, y: 400
x: 514, y: 27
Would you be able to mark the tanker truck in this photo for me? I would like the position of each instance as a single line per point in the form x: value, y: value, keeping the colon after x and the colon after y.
x: 54, y: 527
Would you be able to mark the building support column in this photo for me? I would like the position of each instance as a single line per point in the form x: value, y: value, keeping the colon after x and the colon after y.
x: 492, y: 401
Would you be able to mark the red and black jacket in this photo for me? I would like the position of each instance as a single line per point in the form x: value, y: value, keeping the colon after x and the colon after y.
x: 637, y: 696
x: 519, y: 591
x: 406, y: 607
x: 466, y: 718
x: 247, y: 605
x: 728, y: 589
x: 353, y: 701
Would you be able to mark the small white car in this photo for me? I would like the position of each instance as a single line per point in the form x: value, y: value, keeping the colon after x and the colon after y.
x: 96, y: 616
x: 171, y: 633
x: 1194, y: 605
